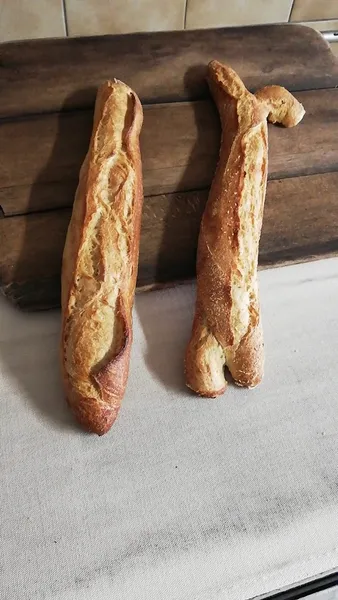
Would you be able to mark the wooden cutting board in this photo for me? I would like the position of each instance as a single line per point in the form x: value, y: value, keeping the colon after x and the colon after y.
x: 48, y: 89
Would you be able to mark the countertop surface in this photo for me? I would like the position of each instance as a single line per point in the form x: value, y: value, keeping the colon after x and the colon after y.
x: 330, y: 594
x: 185, y: 498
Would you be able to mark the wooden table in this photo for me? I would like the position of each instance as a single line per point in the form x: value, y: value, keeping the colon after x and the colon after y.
x: 47, y: 94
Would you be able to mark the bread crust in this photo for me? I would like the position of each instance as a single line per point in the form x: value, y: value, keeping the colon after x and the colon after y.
x: 100, y: 259
x: 227, y: 328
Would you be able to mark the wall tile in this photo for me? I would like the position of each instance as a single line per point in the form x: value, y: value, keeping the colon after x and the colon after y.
x: 223, y: 13
x: 307, y: 10
x: 95, y: 17
x: 29, y: 19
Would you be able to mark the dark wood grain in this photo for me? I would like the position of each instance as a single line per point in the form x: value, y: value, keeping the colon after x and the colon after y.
x: 300, y: 223
x: 47, y: 95
x: 179, y: 145
x: 24, y: 199
x: 50, y: 75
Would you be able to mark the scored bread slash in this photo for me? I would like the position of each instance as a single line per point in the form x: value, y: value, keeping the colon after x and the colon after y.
x: 100, y: 260
x: 227, y: 330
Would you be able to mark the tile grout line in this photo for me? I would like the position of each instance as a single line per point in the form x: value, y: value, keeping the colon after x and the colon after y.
x: 291, y: 9
x: 185, y: 14
x: 64, y: 12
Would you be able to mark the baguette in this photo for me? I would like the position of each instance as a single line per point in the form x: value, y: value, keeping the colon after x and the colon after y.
x: 100, y: 261
x: 227, y: 327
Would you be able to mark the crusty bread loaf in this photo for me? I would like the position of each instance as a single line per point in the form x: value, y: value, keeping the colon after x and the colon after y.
x: 227, y: 325
x: 100, y: 261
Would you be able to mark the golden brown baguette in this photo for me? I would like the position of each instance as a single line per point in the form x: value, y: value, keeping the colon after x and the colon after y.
x: 227, y: 325
x: 100, y: 261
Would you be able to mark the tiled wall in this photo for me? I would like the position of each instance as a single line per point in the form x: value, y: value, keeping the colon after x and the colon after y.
x: 23, y: 19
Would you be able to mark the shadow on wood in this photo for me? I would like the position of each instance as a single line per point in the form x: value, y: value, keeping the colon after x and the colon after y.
x: 41, y: 291
x: 167, y: 264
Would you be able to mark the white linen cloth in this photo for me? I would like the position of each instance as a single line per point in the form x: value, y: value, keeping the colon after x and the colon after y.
x: 185, y: 498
